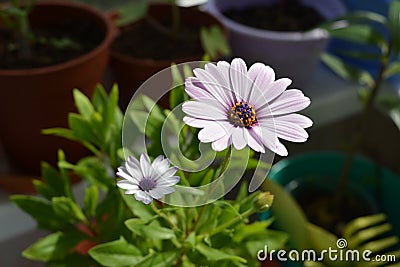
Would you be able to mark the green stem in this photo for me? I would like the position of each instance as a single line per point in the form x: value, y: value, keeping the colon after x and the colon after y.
x: 228, y: 224
x: 175, y: 19
x: 358, y: 135
x: 164, y: 216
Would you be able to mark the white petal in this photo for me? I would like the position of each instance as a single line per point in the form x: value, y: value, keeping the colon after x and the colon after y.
x: 159, y: 192
x: 123, y: 173
x: 288, y: 102
x: 281, y: 149
x: 131, y: 192
x: 254, y: 139
x: 277, y: 88
x: 195, y: 89
x: 167, y: 174
x: 290, y: 131
x: 145, y: 165
x: 240, y: 80
x: 298, y: 119
x: 127, y: 185
x: 216, y: 86
x: 212, y: 132
x: 197, y: 123
x: 239, y: 138
x: 170, y: 181
x: 160, y: 165
x: 221, y: 143
x: 262, y: 77
x: 205, y: 109
x: 143, y: 197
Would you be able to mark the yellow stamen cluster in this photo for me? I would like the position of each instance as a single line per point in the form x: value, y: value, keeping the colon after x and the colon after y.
x: 242, y: 115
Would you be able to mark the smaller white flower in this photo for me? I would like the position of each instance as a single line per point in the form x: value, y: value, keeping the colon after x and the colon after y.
x: 146, y: 180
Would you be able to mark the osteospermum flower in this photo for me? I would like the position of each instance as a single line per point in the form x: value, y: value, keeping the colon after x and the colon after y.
x: 240, y: 106
x: 146, y: 180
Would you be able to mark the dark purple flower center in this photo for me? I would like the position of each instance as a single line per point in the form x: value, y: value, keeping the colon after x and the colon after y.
x: 242, y: 115
x: 147, y: 184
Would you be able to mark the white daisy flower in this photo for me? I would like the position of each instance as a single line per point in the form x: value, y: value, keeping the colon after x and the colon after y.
x: 146, y: 180
x: 242, y: 107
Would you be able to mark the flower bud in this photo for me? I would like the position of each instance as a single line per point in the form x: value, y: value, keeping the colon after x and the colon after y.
x: 263, y: 201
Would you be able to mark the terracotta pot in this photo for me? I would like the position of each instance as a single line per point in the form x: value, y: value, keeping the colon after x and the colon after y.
x: 130, y: 72
x: 36, y: 99
x: 291, y: 54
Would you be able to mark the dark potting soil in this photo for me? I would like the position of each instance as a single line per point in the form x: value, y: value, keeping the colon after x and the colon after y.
x: 145, y: 40
x: 50, y: 45
x: 285, y: 15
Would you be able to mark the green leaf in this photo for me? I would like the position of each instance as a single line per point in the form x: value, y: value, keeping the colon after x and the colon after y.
x: 41, y: 210
x: 83, y: 104
x: 91, y: 198
x: 131, y: 12
x: 214, y: 42
x: 359, y: 33
x: 163, y: 259
x: 118, y: 253
x: 345, y: 71
x: 54, y: 246
x: 177, y: 94
x: 68, y: 209
x: 82, y: 129
x: 213, y: 254
x: 92, y: 170
x: 394, y: 25
x: 152, y: 231
x: 54, y: 184
x: 393, y: 69
x: 391, y: 104
x: 138, y: 208
x: 246, y: 230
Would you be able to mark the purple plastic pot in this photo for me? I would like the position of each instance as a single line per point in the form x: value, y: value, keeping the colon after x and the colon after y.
x: 291, y: 54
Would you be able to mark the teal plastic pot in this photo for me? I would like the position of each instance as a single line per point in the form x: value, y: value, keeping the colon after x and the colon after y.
x: 378, y: 182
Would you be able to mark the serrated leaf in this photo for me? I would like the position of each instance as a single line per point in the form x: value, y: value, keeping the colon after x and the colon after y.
x: 118, y: 253
x: 53, y: 247
x: 68, y: 209
x: 152, y: 231
x: 213, y: 254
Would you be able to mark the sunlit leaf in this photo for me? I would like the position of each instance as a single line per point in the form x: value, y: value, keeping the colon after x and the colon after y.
x: 118, y: 253
x: 345, y: 71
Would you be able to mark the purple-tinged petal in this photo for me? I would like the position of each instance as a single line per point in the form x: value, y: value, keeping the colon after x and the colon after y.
x: 221, y: 143
x: 205, y: 109
x: 288, y: 102
x: 240, y: 82
x: 298, y: 119
x: 239, y: 138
